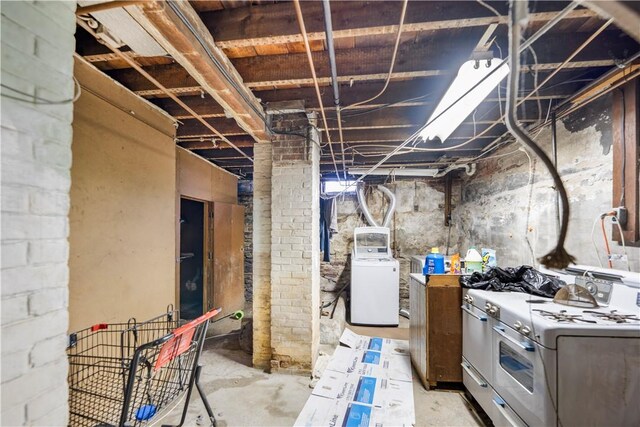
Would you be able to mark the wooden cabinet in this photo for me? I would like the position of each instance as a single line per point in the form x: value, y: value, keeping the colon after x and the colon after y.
x: 436, y: 328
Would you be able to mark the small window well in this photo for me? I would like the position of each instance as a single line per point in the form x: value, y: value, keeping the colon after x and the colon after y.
x: 334, y: 187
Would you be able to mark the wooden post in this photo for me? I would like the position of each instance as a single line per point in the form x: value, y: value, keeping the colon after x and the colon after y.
x: 625, y: 121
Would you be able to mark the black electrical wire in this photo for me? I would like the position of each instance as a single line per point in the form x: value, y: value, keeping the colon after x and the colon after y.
x: 35, y: 99
x: 558, y: 257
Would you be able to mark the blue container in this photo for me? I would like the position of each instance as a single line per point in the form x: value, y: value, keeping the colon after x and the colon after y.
x: 434, y: 264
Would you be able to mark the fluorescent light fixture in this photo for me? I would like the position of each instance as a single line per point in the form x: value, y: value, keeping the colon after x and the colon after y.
x: 468, y: 76
x: 395, y: 171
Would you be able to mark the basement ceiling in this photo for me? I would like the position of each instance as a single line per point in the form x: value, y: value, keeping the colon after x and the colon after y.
x: 262, y: 40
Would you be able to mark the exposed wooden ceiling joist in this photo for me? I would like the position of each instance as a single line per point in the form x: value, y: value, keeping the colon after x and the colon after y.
x: 177, y: 27
x: 274, y: 24
x: 625, y: 13
x: 191, y: 88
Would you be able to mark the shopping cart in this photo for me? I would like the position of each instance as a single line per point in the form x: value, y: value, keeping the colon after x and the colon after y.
x: 132, y: 374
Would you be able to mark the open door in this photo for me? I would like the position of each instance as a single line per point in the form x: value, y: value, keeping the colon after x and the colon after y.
x: 228, y: 257
x: 192, y: 258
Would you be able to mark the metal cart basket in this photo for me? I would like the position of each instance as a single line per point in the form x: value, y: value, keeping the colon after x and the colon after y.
x: 130, y: 374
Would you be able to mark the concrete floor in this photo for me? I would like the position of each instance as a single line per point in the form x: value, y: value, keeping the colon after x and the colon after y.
x: 243, y: 396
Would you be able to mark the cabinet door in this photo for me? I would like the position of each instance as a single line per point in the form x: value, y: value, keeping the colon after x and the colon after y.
x: 228, y: 257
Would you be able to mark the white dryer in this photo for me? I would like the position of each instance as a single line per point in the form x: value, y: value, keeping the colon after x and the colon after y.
x: 375, y: 279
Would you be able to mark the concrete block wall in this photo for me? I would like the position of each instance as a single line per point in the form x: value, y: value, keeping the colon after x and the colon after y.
x: 37, y: 59
x: 417, y: 226
x: 493, y: 210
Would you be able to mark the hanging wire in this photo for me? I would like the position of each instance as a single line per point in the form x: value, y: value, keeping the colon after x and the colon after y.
x: 36, y: 100
x: 393, y: 60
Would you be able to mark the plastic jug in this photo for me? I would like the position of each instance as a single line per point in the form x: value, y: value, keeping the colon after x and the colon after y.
x: 434, y: 263
x: 473, y: 261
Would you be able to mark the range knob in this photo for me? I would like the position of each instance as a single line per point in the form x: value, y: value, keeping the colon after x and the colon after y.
x: 470, y: 299
x: 487, y: 306
x: 525, y: 330
x: 518, y: 325
x: 493, y: 310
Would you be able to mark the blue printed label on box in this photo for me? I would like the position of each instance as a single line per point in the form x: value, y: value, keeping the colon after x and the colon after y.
x: 371, y: 357
x: 375, y: 344
x: 357, y: 416
x: 366, y: 389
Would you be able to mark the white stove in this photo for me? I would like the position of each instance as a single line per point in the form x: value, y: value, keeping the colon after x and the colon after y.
x: 530, y: 361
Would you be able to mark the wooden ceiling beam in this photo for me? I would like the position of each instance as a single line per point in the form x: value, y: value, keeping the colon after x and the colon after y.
x: 396, y: 118
x: 275, y: 24
x: 399, y: 93
x: 426, y: 58
x: 190, y: 88
x: 177, y: 27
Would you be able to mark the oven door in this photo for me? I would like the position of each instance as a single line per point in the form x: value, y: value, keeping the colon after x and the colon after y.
x: 476, y: 339
x: 519, y: 375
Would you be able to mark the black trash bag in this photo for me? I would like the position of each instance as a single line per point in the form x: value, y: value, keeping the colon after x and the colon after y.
x: 519, y: 279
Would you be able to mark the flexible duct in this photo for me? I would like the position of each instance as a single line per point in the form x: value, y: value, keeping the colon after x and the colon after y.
x: 392, y: 205
x: 364, y: 208
x: 469, y: 169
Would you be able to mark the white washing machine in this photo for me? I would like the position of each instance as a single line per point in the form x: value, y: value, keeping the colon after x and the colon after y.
x: 375, y: 279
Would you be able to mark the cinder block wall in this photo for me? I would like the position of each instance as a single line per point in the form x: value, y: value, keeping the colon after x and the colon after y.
x: 37, y: 60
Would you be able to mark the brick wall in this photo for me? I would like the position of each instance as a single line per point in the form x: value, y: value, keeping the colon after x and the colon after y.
x: 294, y: 269
x: 37, y: 47
x: 285, y: 245
x: 262, y: 255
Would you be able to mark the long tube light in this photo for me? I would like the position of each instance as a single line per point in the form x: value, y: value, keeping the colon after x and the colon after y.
x: 395, y: 171
x: 470, y: 73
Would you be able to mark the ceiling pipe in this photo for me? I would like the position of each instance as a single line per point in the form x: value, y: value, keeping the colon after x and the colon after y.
x: 328, y: 29
x: 307, y: 46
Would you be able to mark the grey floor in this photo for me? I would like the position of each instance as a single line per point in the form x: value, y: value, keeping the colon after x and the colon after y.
x: 243, y: 396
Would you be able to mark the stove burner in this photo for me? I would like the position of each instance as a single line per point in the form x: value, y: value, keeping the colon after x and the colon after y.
x: 562, y: 316
x: 613, y: 316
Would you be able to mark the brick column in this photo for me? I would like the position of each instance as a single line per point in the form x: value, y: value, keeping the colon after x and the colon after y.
x: 262, y: 255
x: 37, y: 58
x: 295, y: 262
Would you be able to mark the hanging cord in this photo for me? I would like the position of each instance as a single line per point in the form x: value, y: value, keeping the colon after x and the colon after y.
x: 624, y: 148
x: 393, y: 60
x: 36, y: 100
x: 558, y: 257
x: 606, y: 242
x: 530, y: 181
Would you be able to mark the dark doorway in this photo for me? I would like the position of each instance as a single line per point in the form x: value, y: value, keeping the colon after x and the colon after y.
x: 192, y: 217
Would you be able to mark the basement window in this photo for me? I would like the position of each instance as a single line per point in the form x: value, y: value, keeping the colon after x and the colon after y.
x: 335, y: 187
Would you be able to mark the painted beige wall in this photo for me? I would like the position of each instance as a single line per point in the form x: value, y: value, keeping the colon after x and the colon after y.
x: 123, y: 210
x: 199, y: 179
